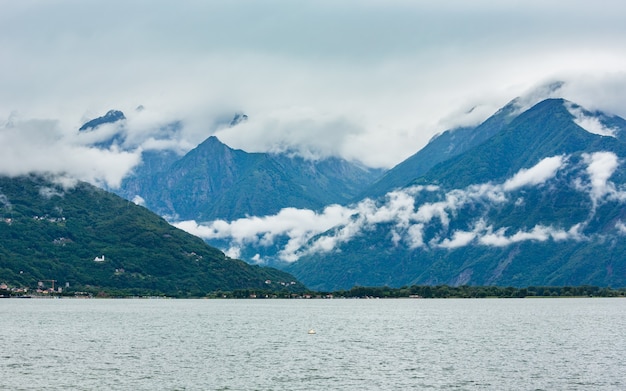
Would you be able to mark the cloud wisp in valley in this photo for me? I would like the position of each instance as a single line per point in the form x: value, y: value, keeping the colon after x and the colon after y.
x: 407, y: 214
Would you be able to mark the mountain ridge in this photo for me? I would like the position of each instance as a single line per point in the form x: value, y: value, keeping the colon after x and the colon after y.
x: 440, y: 148
x: 95, y: 240
x: 214, y: 181
x: 526, y: 197
x: 535, y: 204
x: 110, y: 117
x: 519, y: 145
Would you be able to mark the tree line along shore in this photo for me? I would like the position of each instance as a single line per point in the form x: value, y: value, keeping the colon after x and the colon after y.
x: 415, y: 291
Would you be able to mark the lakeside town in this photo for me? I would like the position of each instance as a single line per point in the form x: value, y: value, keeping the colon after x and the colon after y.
x: 43, y: 290
x: 49, y: 289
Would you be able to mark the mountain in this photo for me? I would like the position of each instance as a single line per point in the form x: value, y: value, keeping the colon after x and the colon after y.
x: 440, y: 148
x: 547, y: 129
x: 117, y: 135
x: 95, y: 240
x: 214, y: 181
x: 110, y: 117
x: 454, y: 142
x: 541, y: 201
x: 108, y: 137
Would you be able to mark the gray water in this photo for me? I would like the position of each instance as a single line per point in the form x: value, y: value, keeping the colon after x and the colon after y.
x: 485, y: 344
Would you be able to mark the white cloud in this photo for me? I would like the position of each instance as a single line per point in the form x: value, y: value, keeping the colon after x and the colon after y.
x: 308, y: 232
x: 535, y: 175
x: 297, y: 225
x: 42, y: 147
x: 49, y: 192
x: 495, y: 239
x: 415, y: 236
x: 600, y: 167
x: 621, y: 227
x: 484, y: 234
x: 589, y: 123
x: 458, y: 239
x: 598, y: 91
x: 538, y: 233
x: 139, y: 200
x: 233, y: 252
x: 373, y: 83
x: 545, y: 90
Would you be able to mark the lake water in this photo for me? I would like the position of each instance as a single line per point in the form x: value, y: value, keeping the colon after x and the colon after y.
x: 448, y: 344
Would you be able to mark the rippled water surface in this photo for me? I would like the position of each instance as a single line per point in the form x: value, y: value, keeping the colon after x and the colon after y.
x: 494, y: 344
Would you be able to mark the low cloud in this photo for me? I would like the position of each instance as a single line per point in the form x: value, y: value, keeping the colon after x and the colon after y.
x: 600, y: 167
x: 621, y: 227
x: 138, y: 200
x: 589, y: 123
x: 49, y: 192
x: 407, y: 219
x: 297, y: 225
x: 41, y: 146
x: 484, y: 234
x: 539, y: 233
x: 536, y: 175
x: 374, y: 83
x: 458, y: 239
x: 144, y: 129
x: 233, y: 252
x: 305, y: 132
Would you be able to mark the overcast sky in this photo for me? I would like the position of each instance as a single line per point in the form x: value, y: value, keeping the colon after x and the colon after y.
x: 370, y: 80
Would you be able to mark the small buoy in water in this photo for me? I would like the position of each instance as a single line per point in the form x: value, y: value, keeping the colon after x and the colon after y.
x: 311, y: 331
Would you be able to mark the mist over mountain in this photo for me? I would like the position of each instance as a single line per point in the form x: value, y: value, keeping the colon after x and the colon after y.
x: 525, y: 197
x: 539, y: 203
x: 532, y: 196
x: 129, y: 107
x: 456, y: 141
x: 110, y: 117
x: 214, y: 181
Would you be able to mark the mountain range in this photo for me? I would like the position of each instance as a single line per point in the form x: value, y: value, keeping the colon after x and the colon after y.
x: 214, y: 181
x: 534, y: 195
x: 531, y: 196
x: 539, y: 202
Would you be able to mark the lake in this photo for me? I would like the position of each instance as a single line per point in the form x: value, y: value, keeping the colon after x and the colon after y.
x: 395, y: 344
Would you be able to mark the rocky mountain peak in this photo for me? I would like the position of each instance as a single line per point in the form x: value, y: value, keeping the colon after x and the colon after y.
x: 110, y: 117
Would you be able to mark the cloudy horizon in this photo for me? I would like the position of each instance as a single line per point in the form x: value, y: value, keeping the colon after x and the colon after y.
x: 371, y: 81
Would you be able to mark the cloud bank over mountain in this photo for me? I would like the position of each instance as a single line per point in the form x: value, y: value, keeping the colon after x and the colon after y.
x: 365, y: 80
x: 408, y: 214
x: 42, y: 147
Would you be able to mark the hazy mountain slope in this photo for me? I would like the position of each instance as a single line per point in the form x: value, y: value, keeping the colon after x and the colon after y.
x: 541, y: 202
x: 547, y: 129
x: 549, y: 235
x: 441, y: 148
x: 142, y: 177
x: 329, y: 180
x: 215, y: 181
x: 91, y: 238
x: 260, y: 188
